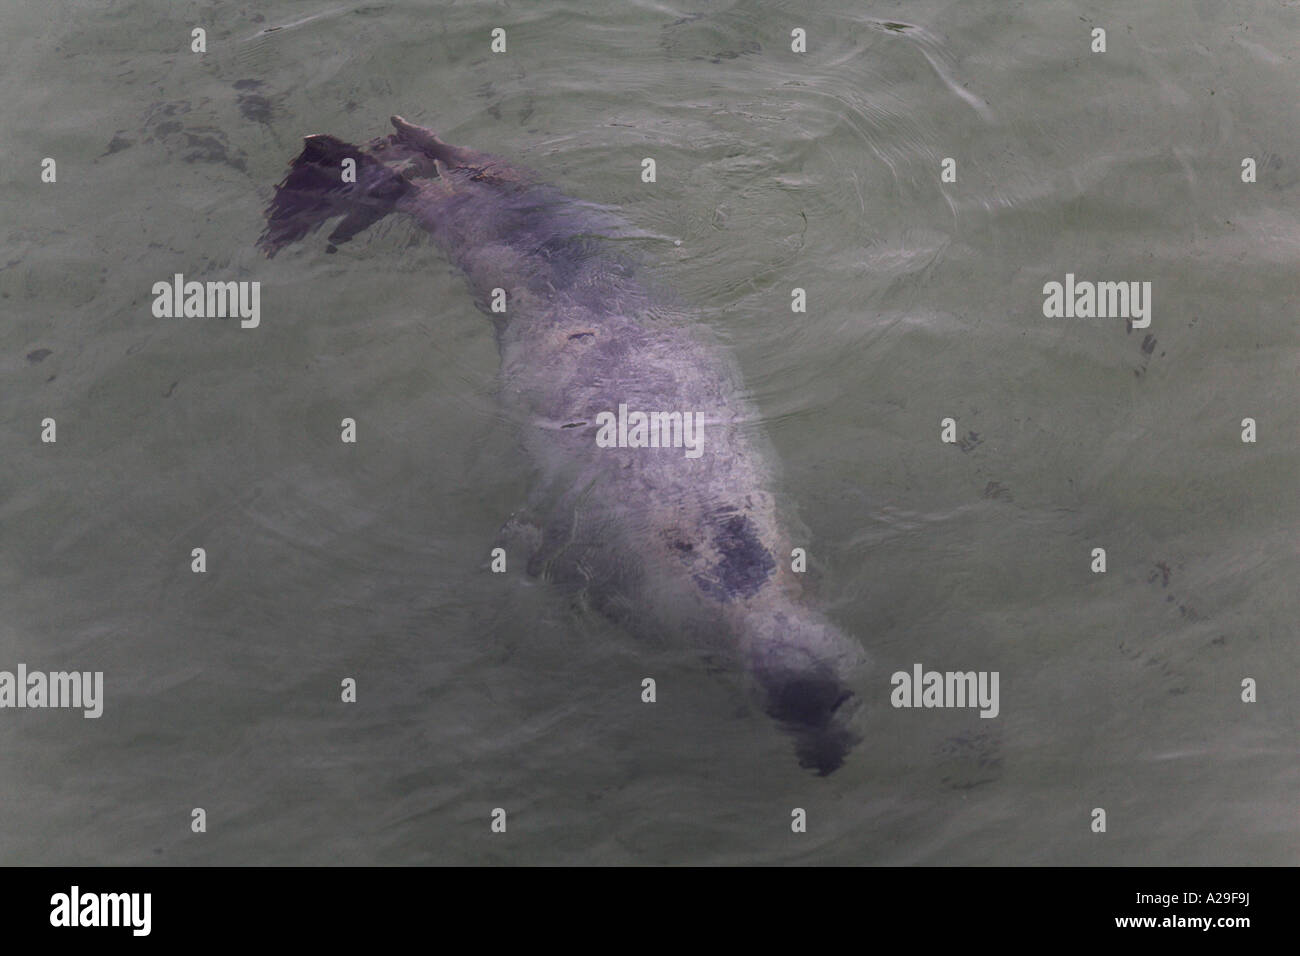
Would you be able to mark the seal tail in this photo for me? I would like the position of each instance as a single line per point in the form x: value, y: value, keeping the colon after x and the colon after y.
x: 317, y: 188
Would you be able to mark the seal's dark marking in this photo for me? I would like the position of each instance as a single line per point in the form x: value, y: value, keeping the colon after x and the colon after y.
x: 744, y: 564
x: 661, y: 543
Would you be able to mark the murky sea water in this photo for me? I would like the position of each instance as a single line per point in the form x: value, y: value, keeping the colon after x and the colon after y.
x: 819, y: 170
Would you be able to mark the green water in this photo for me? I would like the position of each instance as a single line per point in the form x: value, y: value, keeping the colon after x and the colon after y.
x: 776, y: 170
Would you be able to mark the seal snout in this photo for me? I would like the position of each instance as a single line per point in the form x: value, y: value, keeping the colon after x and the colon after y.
x: 824, y: 751
x: 816, y: 709
x: 808, y: 700
x: 805, y: 668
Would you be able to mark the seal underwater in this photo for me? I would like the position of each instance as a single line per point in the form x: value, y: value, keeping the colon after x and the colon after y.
x: 661, y: 542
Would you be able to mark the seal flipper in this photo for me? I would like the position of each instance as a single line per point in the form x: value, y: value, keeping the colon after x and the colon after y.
x: 358, y: 220
x: 428, y: 142
x: 484, y: 167
x: 314, y: 191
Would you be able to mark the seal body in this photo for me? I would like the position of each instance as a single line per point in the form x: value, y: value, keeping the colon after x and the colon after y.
x: 664, y: 540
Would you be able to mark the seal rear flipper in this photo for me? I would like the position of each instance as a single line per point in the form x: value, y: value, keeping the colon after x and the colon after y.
x: 428, y: 142
x: 483, y: 167
x: 315, y: 190
x: 358, y: 220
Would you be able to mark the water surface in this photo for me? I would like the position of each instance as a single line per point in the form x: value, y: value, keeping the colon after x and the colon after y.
x: 775, y: 170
